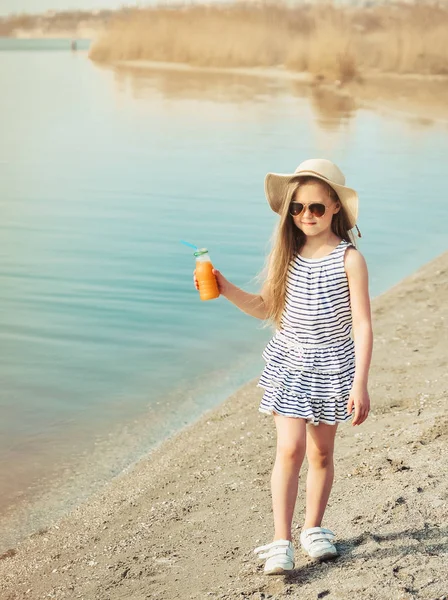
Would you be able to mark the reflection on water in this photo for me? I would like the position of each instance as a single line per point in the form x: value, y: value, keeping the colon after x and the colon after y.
x: 194, y: 84
x: 331, y: 107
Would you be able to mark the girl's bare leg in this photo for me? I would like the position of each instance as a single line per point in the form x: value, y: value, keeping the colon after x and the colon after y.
x: 319, y: 451
x: 291, y: 446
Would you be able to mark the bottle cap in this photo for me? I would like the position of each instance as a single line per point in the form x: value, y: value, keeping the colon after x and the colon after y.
x: 201, y: 251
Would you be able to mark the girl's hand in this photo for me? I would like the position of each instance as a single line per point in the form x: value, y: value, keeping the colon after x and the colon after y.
x: 222, y: 282
x: 359, y: 398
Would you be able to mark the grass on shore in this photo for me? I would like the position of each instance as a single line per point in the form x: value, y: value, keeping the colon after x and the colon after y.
x: 323, y: 39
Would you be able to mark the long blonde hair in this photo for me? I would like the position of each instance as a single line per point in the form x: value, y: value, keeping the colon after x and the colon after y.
x: 287, y: 241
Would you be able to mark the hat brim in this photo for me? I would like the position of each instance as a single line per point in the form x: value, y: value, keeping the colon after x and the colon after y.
x: 275, y: 185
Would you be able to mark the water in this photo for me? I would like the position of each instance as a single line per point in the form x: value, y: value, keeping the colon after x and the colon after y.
x: 28, y: 44
x: 105, y: 348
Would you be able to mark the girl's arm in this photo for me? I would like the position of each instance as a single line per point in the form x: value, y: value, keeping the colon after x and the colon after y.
x: 357, y: 275
x: 252, y: 304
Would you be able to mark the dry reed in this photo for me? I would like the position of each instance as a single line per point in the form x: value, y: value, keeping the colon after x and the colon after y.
x: 53, y: 22
x: 322, y: 38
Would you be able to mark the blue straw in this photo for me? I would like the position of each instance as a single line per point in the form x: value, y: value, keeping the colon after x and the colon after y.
x: 188, y: 244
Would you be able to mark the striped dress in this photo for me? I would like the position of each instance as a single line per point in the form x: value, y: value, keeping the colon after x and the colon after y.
x: 310, y: 361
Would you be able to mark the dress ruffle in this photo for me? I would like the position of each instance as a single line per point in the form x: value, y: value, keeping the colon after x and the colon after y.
x: 285, y: 350
x: 307, y: 381
x: 283, y: 402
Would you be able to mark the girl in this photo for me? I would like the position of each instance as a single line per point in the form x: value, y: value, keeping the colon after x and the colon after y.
x: 316, y: 291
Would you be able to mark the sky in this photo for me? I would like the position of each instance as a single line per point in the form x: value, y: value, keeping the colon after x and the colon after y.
x: 39, y: 6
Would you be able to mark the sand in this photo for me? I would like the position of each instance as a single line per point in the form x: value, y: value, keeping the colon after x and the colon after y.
x: 183, y: 522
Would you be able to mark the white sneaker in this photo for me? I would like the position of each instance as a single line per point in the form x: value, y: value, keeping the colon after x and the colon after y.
x: 317, y: 543
x: 279, y: 555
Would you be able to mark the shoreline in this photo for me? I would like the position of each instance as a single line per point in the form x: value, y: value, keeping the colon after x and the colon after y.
x: 203, y: 494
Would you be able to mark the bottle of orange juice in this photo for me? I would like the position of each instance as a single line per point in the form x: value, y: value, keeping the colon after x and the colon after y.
x: 208, y: 286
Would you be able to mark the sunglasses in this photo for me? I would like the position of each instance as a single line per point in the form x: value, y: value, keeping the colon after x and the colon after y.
x: 316, y: 209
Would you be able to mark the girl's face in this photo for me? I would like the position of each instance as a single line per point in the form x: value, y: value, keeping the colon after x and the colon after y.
x: 318, y: 209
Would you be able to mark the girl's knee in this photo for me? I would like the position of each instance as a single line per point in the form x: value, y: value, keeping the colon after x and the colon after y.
x: 293, y: 451
x: 320, y: 457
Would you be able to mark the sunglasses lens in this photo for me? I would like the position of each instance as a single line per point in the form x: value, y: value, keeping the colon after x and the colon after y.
x: 295, y: 208
x: 318, y: 210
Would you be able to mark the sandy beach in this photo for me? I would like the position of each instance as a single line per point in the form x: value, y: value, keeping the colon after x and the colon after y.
x: 183, y: 522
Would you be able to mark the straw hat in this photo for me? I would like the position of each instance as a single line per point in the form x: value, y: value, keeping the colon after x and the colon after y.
x: 275, y: 185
